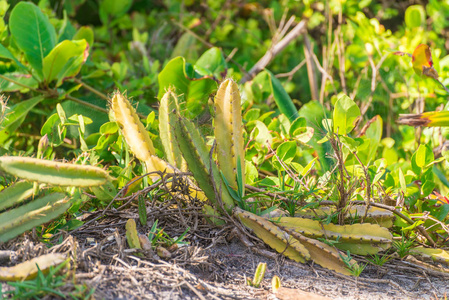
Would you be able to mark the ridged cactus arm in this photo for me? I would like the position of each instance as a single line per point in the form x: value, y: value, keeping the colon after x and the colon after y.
x: 133, y: 130
x: 360, y: 239
x: 167, y: 117
x: 205, y: 171
x: 15, y: 194
x: 293, y: 244
x: 273, y: 236
x: 229, y: 132
x: 52, y: 172
x: 18, y: 220
x: 136, y: 135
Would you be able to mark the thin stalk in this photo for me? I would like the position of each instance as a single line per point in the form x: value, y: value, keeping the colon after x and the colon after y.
x: 92, y: 89
x: 19, y: 83
x: 90, y: 105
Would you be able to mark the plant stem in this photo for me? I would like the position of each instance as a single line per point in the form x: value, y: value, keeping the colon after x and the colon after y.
x: 90, y: 105
x: 19, y: 83
x: 93, y: 90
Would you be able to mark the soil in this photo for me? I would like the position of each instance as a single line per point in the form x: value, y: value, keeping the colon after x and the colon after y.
x: 214, y: 266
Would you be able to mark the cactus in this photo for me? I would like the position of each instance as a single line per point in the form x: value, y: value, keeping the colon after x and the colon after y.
x: 167, y: 116
x: 136, y: 135
x: 133, y: 130
x: 273, y: 236
x: 52, y: 172
x: 292, y: 244
x: 357, y: 238
x: 15, y: 194
x: 229, y: 132
x: 437, y: 255
x: 131, y: 235
x: 204, y: 170
x: 35, y: 213
x: 375, y: 215
x: 29, y: 269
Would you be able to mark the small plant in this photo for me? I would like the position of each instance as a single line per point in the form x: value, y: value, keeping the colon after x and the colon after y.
x: 354, y: 268
x: 379, y: 260
x: 142, y: 211
x: 275, y: 283
x: 258, y: 276
x: 403, y: 246
x: 159, y: 237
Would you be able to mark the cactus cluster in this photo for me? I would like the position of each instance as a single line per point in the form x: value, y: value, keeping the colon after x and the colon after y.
x: 296, y: 237
x: 24, y: 217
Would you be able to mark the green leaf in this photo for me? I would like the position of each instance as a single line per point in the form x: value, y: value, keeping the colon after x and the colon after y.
x: 4, y: 53
x: 421, y: 156
x: 86, y: 33
x: 16, y: 115
x: 298, y: 127
x: 427, y: 188
x: 65, y: 60
x: 286, y: 151
x: 33, y: 33
x: 350, y: 143
x: 309, y: 166
x: 8, y: 86
x: 261, y: 134
x: 346, y: 113
x: 211, y: 61
x: 282, y: 99
x: 113, y: 8
x: 415, y: 16
x: 55, y: 131
x: 188, y: 84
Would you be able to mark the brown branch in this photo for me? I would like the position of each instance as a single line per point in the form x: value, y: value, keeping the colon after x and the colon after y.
x: 311, y: 67
x: 274, y: 50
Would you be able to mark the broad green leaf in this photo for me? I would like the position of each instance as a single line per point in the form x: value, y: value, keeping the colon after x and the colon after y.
x: 109, y: 128
x: 314, y: 112
x: 188, y: 84
x: 286, y: 151
x: 350, y: 143
x: 33, y: 33
x: 252, y: 114
x: 427, y: 188
x: 65, y: 60
x: 298, y: 126
x: 4, y: 53
x: 261, y: 134
x: 86, y: 33
x: 422, y: 157
x: 346, y: 113
x: 282, y: 99
x: 211, y: 61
